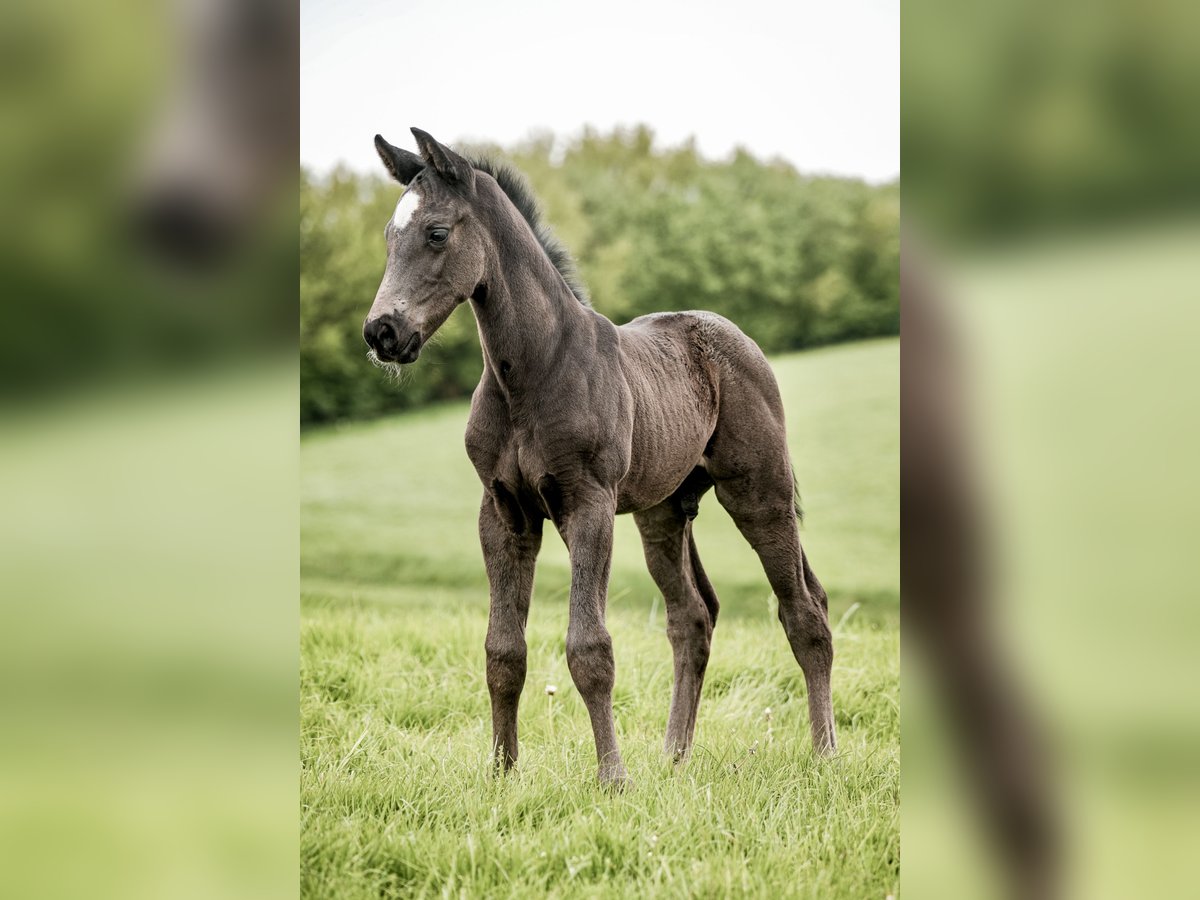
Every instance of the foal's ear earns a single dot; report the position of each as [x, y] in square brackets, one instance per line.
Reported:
[444, 161]
[403, 164]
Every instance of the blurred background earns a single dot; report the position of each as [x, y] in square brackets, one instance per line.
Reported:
[1051, 264]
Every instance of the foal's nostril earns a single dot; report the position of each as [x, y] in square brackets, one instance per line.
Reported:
[380, 335]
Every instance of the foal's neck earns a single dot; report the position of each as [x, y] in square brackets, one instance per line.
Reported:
[529, 315]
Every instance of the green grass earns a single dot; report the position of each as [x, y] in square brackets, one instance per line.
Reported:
[397, 799]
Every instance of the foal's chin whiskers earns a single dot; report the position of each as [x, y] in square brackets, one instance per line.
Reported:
[396, 373]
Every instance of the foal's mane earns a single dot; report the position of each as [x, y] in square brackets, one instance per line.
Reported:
[517, 189]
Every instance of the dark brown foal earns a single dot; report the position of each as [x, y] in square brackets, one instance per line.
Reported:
[577, 421]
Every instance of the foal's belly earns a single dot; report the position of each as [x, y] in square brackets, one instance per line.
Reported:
[645, 493]
[659, 463]
[675, 413]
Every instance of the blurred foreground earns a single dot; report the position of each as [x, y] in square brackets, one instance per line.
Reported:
[147, 449]
[148, 642]
[1052, 232]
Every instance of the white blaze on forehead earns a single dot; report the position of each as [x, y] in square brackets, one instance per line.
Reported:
[405, 208]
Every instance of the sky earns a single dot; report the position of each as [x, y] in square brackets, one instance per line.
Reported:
[816, 82]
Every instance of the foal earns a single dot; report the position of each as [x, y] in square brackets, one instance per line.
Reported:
[576, 420]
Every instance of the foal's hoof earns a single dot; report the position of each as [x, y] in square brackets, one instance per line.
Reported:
[825, 742]
[678, 755]
[824, 749]
[615, 778]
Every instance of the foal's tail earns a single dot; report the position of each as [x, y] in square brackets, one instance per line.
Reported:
[796, 495]
[810, 577]
[707, 594]
[812, 583]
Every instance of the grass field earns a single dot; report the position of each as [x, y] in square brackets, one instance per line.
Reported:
[396, 795]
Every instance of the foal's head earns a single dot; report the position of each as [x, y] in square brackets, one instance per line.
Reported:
[436, 249]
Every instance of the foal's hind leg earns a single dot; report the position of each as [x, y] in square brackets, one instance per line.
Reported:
[691, 612]
[760, 501]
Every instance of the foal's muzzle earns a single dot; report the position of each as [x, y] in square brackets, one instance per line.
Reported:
[391, 341]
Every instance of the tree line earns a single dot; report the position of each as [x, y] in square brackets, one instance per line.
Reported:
[795, 260]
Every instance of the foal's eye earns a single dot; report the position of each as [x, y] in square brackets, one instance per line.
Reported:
[438, 236]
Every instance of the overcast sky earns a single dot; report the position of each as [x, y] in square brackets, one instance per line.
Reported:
[816, 82]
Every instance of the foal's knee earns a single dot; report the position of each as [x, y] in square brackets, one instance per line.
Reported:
[590, 661]
[505, 668]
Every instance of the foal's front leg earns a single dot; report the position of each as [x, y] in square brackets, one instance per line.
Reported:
[510, 547]
[589, 534]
